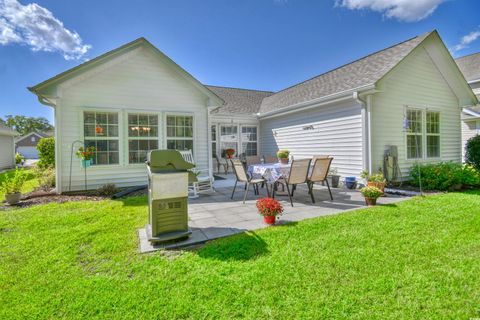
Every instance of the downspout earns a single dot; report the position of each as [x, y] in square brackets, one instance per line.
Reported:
[369, 129]
[365, 131]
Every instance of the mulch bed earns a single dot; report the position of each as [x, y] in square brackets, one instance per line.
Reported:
[43, 197]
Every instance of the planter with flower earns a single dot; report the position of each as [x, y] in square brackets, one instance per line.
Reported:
[269, 208]
[374, 180]
[371, 195]
[86, 154]
[282, 156]
[12, 186]
[230, 153]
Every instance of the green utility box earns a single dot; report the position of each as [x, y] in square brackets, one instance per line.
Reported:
[168, 179]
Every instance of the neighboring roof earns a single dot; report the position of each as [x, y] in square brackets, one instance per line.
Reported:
[363, 72]
[4, 130]
[113, 53]
[239, 101]
[38, 134]
[470, 66]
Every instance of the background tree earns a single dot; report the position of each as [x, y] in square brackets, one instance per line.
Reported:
[24, 124]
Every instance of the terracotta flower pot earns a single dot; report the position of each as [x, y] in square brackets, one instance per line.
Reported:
[13, 198]
[283, 160]
[379, 185]
[370, 201]
[269, 219]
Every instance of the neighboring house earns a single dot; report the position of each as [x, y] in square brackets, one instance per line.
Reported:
[134, 99]
[470, 67]
[27, 145]
[7, 147]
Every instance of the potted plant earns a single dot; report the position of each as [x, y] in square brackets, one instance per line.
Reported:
[371, 195]
[334, 177]
[269, 208]
[86, 154]
[12, 186]
[374, 180]
[351, 182]
[282, 156]
[230, 152]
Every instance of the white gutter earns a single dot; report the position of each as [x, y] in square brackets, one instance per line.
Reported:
[332, 98]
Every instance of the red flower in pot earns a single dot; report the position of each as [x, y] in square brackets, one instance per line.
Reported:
[269, 208]
[230, 152]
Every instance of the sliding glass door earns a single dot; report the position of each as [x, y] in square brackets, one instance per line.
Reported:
[228, 139]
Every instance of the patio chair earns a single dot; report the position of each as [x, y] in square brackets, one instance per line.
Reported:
[253, 160]
[221, 162]
[204, 179]
[270, 159]
[298, 175]
[242, 176]
[319, 173]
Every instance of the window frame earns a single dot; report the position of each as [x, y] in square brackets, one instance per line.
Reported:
[241, 136]
[128, 138]
[423, 156]
[118, 138]
[165, 129]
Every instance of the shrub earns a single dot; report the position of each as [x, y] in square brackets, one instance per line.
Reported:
[46, 179]
[376, 177]
[444, 176]
[283, 154]
[19, 158]
[107, 190]
[472, 152]
[371, 192]
[46, 151]
[13, 182]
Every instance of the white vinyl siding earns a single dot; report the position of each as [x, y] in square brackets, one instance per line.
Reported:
[137, 82]
[470, 128]
[416, 83]
[7, 156]
[334, 130]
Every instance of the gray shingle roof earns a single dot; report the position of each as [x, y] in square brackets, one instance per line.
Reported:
[470, 66]
[239, 101]
[362, 72]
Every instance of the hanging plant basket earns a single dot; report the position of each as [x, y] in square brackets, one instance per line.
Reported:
[86, 163]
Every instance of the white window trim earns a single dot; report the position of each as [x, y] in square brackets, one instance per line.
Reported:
[127, 137]
[241, 134]
[423, 157]
[194, 129]
[121, 150]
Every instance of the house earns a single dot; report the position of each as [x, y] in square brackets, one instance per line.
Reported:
[135, 98]
[7, 146]
[470, 67]
[26, 145]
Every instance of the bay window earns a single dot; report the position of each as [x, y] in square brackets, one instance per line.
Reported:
[100, 130]
[180, 132]
[142, 136]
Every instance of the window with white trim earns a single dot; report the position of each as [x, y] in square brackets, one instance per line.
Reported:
[180, 132]
[214, 140]
[422, 129]
[100, 130]
[433, 134]
[142, 136]
[249, 140]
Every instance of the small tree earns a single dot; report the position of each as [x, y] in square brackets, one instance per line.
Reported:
[46, 152]
[472, 152]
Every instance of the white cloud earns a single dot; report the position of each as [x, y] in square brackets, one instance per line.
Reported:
[36, 27]
[466, 40]
[403, 10]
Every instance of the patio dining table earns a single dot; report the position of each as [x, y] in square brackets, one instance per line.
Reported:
[271, 172]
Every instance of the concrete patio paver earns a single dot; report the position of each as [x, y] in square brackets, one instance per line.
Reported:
[215, 215]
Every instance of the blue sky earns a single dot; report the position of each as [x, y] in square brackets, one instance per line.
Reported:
[259, 44]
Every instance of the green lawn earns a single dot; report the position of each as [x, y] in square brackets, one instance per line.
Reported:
[30, 185]
[416, 259]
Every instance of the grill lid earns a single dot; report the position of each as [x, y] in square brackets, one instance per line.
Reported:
[167, 160]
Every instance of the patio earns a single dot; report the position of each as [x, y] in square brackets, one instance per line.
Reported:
[215, 215]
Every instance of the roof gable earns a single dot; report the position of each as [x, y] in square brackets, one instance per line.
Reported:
[46, 86]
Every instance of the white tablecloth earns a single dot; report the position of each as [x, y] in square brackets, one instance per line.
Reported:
[269, 171]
